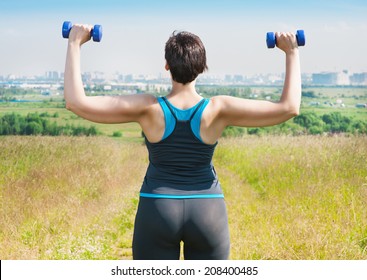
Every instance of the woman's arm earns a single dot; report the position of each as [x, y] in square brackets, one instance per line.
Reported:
[103, 109]
[251, 113]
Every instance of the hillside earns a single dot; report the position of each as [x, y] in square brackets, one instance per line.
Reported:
[288, 197]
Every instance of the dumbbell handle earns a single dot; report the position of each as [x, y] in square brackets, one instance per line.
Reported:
[271, 39]
[95, 33]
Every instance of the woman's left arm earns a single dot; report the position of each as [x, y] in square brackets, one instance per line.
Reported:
[257, 113]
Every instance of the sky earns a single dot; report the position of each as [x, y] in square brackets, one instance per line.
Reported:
[135, 32]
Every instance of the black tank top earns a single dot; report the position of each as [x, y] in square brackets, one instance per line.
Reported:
[180, 166]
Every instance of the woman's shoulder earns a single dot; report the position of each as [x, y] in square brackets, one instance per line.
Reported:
[147, 99]
[146, 102]
[216, 102]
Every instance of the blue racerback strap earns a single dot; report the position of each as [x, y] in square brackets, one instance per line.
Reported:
[173, 112]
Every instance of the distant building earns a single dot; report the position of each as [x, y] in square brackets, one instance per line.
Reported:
[359, 79]
[307, 78]
[87, 77]
[343, 78]
[128, 78]
[331, 78]
[238, 79]
[325, 78]
[52, 75]
[228, 78]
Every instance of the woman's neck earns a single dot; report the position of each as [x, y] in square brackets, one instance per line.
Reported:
[184, 96]
[178, 88]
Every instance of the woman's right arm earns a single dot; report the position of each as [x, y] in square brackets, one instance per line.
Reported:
[102, 109]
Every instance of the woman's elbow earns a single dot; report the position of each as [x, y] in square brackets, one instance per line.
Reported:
[293, 111]
[73, 106]
[290, 110]
[70, 106]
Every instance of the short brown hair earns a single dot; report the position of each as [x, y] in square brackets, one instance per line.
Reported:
[186, 56]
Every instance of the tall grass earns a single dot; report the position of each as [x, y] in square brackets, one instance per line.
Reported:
[287, 197]
[68, 198]
[296, 197]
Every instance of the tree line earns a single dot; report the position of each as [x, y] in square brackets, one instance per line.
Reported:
[39, 124]
[307, 123]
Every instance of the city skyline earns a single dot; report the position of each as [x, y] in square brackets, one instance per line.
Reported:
[135, 33]
[342, 78]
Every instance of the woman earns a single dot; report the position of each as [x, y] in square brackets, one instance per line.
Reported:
[181, 198]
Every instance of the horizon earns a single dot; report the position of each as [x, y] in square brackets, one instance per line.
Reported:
[159, 75]
[134, 34]
[52, 78]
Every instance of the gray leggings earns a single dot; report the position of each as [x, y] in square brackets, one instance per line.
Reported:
[161, 224]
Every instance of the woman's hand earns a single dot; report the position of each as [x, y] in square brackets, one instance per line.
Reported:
[286, 41]
[80, 33]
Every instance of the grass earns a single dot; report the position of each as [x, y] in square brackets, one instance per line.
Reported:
[287, 197]
[296, 197]
[67, 198]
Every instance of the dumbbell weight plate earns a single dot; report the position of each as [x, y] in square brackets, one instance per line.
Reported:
[301, 39]
[66, 27]
[96, 33]
[270, 40]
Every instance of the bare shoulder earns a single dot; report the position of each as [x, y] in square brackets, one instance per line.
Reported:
[218, 104]
[218, 109]
[221, 101]
[150, 111]
[150, 102]
[142, 104]
[144, 100]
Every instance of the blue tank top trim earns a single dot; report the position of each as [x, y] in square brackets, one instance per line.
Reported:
[183, 115]
[171, 196]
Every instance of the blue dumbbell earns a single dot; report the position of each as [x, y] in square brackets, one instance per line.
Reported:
[95, 33]
[271, 40]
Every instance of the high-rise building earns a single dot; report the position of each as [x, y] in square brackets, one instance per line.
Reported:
[331, 78]
[359, 79]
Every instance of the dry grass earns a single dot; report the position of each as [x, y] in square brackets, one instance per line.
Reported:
[287, 197]
[296, 197]
[66, 198]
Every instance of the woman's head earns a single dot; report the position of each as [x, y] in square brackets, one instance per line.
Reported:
[186, 57]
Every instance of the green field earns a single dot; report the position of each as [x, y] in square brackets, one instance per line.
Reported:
[130, 132]
[342, 100]
[287, 197]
